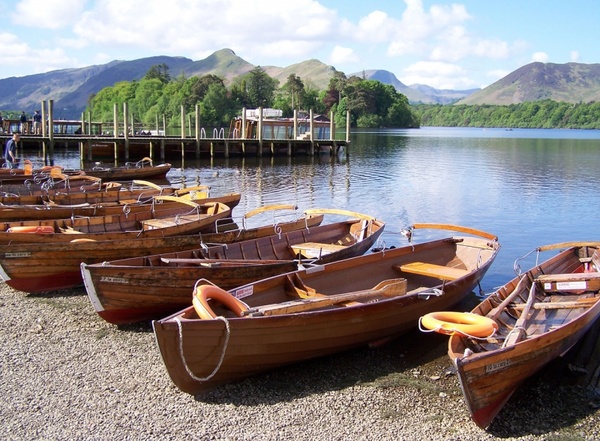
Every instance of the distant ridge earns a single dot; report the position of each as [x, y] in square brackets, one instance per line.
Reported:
[71, 88]
[416, 93]
[570, 82]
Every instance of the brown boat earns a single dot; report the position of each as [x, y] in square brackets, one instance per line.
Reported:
[84, 190]
[184, 217]
[142, 169]
[52, 210]
[318, 311]
[142, 288]
[537, 317]
[34, 267]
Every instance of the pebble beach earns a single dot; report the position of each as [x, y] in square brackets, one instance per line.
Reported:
[68, 375]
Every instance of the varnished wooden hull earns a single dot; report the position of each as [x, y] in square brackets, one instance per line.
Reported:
[130, 290]
[38, 267]
[489, 373]
[10, 213]
[154, 221]
[202, 354]
[77, 193]
[126, 173]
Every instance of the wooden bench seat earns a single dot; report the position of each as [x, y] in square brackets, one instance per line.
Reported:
[431, 270]
[316, 249]
[570, 281]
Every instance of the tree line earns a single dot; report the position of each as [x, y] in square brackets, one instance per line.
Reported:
[157, 95]
[545, 114]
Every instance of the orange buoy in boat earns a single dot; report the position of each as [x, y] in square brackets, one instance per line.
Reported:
[205, 292]
[466, 323]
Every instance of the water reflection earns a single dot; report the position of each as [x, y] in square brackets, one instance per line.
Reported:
[530, 187]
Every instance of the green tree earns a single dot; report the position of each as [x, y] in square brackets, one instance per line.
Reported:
[159, 72]
[260, 88]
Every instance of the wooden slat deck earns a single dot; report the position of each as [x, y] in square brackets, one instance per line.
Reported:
[432, 270]
[316, 249]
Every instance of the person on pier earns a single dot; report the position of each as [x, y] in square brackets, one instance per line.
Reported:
[10, 151]
[37, 123]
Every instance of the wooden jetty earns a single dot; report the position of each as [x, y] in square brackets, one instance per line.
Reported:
[255, 133]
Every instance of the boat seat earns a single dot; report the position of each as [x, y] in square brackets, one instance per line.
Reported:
[569, 282]
[153, 224]
[431, 270]
[316, 249]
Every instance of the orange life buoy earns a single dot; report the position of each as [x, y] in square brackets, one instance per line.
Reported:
[466, 323]
[37, 229]
[205, 292]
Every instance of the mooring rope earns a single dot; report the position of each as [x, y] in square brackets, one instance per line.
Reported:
[218, 366]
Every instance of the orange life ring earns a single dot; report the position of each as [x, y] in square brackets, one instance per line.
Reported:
[466, 323]
[37, 229]
[205, 292]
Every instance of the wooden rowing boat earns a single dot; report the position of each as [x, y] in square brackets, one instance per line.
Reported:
[38, 267]
[156, 219]
[65, 191]
[142, 169]
[540, 314]
[320, 310]
[142, 288]
[52, 210]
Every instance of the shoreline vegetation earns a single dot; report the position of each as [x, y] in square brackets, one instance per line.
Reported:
[545, 114]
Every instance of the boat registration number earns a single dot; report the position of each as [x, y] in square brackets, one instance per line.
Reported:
[113, 280]
[243, 292]
[17, 255]
[567, 286]
[497, 366]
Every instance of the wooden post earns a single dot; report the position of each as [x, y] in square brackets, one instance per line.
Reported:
[83, 133]
[182, 132]
[295, 134]
[116, 129]
[125, 131]
[242, 134]
[260, 131]
[347, 133]
[347, 126]
[44, 130]
[197, 122]
[312, 128]
[331, 126]
[51, 128]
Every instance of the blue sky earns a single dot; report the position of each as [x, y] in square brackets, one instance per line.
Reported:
[446, 45]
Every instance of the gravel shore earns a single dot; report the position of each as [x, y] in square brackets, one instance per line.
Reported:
[68, 375]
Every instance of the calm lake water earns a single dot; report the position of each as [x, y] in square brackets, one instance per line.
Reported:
[529, 187]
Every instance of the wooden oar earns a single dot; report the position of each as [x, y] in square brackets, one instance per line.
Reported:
[581, 303]
[518, 332]
[201, 261]
[387, 288]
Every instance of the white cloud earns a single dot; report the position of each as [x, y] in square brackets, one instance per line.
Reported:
[17, 53]
[341, 55]
[46, 14]
[252, 29]
[540, 56]
[439, 75]
[574, 56]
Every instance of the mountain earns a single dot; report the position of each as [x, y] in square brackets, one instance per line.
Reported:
[416, 93]
[570, 82]
[441, 96]
[71, 88]
[314, 73]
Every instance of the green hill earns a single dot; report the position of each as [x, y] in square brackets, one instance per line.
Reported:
[570, 82]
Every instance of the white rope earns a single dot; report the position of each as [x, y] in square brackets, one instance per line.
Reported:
[218, 366]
